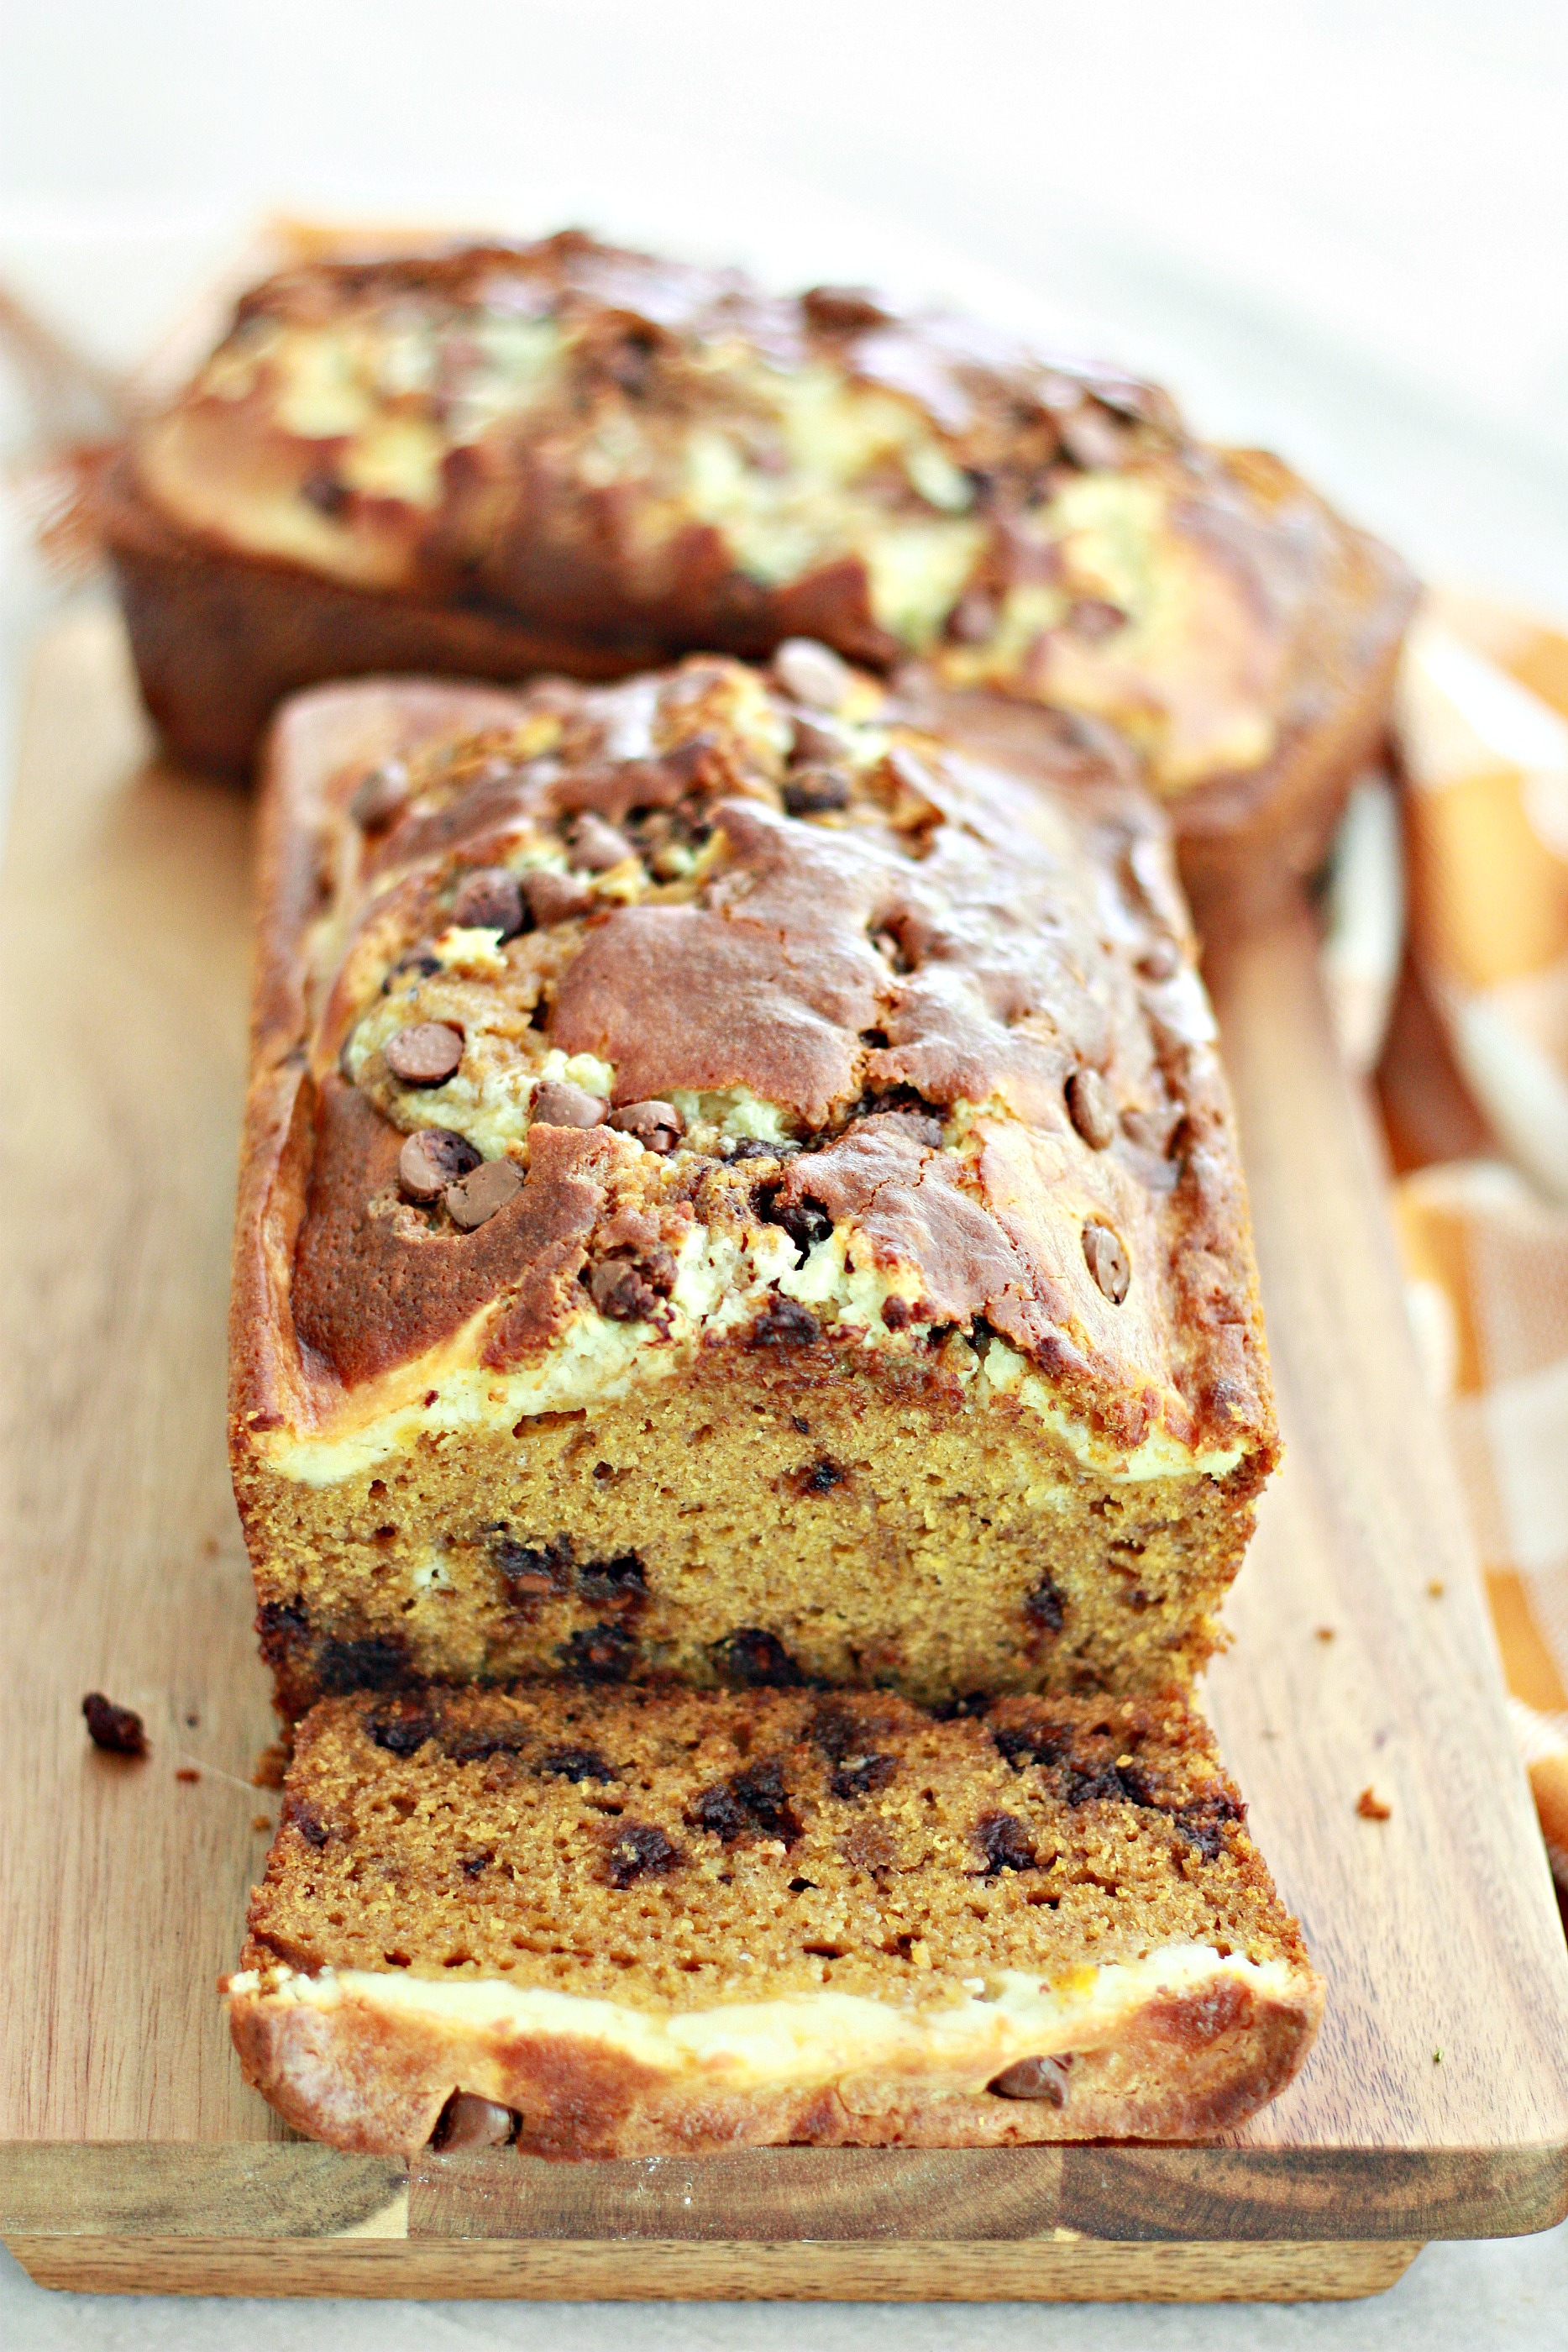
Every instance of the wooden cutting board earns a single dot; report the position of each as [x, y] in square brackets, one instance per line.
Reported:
[132, 2156]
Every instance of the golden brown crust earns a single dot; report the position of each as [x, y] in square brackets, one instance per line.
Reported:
[1249, 656]
[1188, 2068]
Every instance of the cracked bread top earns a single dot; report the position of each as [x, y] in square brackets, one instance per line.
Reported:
[599, 1030]
[653, 457]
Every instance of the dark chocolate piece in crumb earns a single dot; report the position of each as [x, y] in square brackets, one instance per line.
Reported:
[118, 1730]
[1006, 1843]
[555, 897]
[785, 1323]
[474, 1201]
[599, 1654]
[432, 1159]
[1046, 1606]
[426, 1053]
[750, 1659]
[639, 1849]
[862, 1776]
[633, 1289]
[575, 1764]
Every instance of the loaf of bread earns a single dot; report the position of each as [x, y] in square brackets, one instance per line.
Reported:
[733, 1190]
[495, 460]
[636, 1923]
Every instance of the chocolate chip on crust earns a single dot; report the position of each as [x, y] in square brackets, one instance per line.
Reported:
[556, 1104]
[555, 897]
[529, 1570]
[657, 1126]
[381, 795]
[473, 1201]
[1108, 1261]
[1090, 1107]
[639, 1849]
[749, 1659]
[468, 2121]
[301, 1814]
[1006, 1843]
[842, 309]
[432, 1159]
[489, 899]
[811, 674]
[1034, 2078]
[425, 1054]
[595, 847]
[813, 791]
[118, 1730]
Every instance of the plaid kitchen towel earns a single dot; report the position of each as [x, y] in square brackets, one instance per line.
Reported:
[1474, 1086]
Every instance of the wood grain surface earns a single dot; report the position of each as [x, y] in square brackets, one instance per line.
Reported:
[131, 2153]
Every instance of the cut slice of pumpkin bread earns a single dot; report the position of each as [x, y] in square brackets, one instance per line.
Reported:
[617, 1924]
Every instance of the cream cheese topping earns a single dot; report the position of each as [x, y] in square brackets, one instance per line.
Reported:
[966, 2034]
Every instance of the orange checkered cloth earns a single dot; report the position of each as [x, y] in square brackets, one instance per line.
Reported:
[1473, 1082]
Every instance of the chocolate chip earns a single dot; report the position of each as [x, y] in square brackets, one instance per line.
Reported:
[1108, 1261]
[556, 1104]
[1046, 1605]
[468, 2121]
[657, 1126]
[372, 1662]
[640, 1849]
[811, 673]
[1092, 618]
[633, 1289]
[599, 1654]
[812, 792]
[574, 1764]
[785, 1323]
[1006, 1843]
[897, 1314]
[859, 1776]
[1034, 2078]
[816, 741]
[1021, 1748]
[476, 1198]
[1090, 1107]
[1204, 1821]
[418, 961]
[1113, 1784]
[119, 1731]
[822, 1477]
[425, 1054]
[806, 1222]
[401, 1727]
[472, 1864]
[301, 1814]
[480, 1741]
[973, 618]
[380, 796]
[749, 1659]
[489, 899]
[842, 309]
[432, 1159]
[282, 1628]
[756, 1800]
[1093, 439]
[554, 898]
[595, 847]
[530, 1571]
[325, 491]
[620, 1580]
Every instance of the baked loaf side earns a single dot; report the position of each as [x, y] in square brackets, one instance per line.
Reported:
[637, 1923]
[564, 454]
[733, 1190]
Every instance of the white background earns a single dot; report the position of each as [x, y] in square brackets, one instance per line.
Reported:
[1340, 229]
